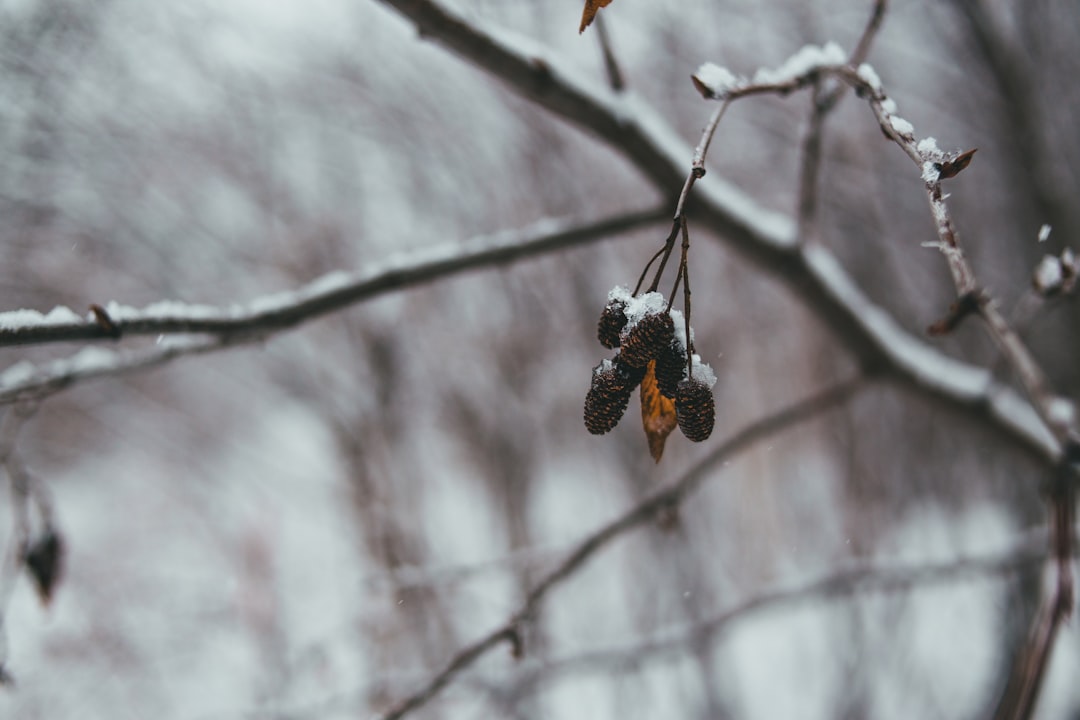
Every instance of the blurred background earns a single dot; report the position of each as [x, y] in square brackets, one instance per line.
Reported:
[311, 527]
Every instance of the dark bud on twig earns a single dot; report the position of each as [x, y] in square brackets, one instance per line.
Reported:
[968, 304]
[953, 166]
[517, 644]
[44, 561]
[608, 397]
[670, 369]
[6, 678]
[667, 517]
[1056, 274]
[612, 322]
[648, 339]
[695, 409]
[101, 317]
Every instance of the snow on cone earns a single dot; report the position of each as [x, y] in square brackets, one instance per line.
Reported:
[612, 322]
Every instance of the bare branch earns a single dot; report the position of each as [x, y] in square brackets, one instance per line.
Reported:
[861, 579]
[660, 501]
[325, 295]
[26, 382]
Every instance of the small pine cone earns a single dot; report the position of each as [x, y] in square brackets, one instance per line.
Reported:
[647, 340]
[670, 369]
[695, 409]
[607, 398]
[612, 322]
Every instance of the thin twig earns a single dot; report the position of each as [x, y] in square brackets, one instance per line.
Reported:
[697, 165]
[810, 167]
[611, 64]
[642, 513]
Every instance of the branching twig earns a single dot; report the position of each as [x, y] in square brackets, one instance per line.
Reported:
[643, 512]
[765, 239]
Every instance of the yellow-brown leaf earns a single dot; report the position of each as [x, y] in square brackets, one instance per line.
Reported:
[657, 413]
[591, 8]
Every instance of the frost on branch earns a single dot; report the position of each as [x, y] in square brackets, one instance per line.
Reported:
[1056, 274]
[715, 82]
[18, 319]
[805, 61]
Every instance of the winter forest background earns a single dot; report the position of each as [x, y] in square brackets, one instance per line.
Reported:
[314, 524]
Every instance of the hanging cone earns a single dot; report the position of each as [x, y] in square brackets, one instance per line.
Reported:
[695, 409]
[612, 322]
[607, 398]
[670, 369]
[648, 339]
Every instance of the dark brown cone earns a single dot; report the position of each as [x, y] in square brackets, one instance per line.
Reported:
[612, 322]
[670, 369]
[695, 409]
[607, 398]
[647, 340]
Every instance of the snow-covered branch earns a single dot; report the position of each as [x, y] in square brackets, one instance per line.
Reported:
[330, 293]
[766, 239]
[1057, 414]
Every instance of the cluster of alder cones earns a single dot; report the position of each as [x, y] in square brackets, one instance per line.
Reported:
[655, 346]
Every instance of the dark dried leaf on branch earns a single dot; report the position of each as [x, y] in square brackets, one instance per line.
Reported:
[591, 8]
[966, 305]
[953, 167]
[44, 561]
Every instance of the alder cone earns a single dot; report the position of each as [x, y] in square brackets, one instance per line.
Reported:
[647, 340]
[670, 368]
[612, 322]
[695, 409]
[607, 398]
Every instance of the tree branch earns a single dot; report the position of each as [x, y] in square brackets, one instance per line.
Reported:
[765, 239]
[325, 295]
[660, 501]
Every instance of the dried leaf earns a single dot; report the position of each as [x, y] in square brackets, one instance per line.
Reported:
[104, 321]
[657, 413]
[952, 168]
[591, 8]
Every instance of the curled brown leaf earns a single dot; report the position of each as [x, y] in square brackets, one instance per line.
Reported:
[591, 8]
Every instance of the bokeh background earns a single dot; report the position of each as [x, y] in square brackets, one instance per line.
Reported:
[310, 527]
